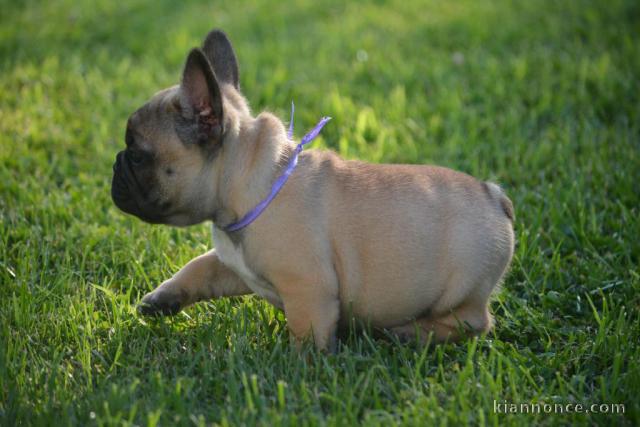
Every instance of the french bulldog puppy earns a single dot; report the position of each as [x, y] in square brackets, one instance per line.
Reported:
[413, 249]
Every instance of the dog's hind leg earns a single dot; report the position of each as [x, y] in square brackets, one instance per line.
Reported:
[462, 322]
[463, 310]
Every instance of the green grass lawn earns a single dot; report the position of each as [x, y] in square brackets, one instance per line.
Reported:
[540, 96]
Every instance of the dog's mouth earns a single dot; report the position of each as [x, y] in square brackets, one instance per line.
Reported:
[129, 196]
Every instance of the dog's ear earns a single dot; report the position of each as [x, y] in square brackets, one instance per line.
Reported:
[220, 53]
[200, 100]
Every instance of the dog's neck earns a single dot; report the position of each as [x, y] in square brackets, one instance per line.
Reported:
[255, 151]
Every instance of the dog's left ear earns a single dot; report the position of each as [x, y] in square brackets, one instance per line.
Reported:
[220, 53]
[200, 100]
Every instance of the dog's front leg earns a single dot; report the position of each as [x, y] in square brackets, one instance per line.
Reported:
[203, 278]
[312, 312]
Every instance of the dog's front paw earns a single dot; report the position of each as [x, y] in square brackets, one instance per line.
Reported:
[159, 304]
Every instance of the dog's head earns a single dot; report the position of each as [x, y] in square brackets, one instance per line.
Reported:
[165, 173]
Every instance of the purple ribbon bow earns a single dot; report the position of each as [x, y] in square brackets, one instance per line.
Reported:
[254, 213]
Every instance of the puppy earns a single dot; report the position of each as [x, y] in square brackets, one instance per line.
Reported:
[413, 249]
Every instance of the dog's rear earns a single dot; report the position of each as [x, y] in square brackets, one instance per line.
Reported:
[414, 244]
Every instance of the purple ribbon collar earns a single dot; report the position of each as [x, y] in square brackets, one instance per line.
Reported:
[254, 213]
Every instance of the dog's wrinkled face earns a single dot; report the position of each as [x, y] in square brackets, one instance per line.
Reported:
[173, 140]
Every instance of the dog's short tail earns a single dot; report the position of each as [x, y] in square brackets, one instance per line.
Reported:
[495, 193]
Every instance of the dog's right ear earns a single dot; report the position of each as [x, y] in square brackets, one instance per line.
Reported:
[200, 100]
[220, 53]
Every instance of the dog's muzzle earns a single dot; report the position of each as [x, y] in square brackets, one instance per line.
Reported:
[127, 193]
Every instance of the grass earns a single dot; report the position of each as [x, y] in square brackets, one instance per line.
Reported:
[541, 96]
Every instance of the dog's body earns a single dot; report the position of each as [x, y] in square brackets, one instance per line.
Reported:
[397, 246]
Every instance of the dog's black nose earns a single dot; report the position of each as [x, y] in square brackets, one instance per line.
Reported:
[119, 189]
[116, 164]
